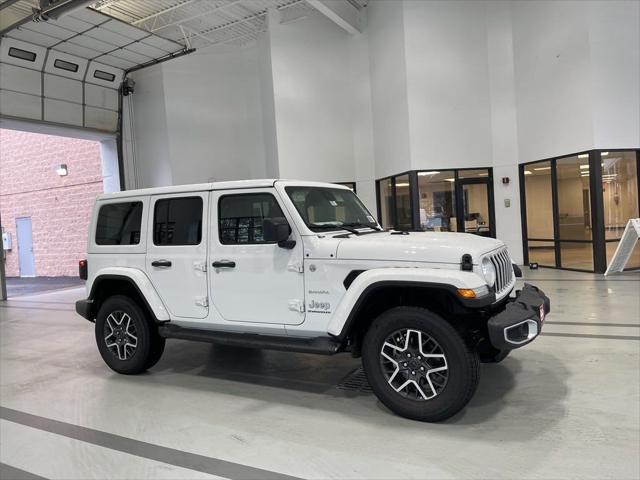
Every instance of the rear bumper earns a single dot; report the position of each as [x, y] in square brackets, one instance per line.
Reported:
[83, 308]
[521, 320]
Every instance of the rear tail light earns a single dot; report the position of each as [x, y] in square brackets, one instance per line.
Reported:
[82, 269]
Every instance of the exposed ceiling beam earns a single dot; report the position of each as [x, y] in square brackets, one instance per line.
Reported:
[162, 12]
[340, 12]
[193, 17]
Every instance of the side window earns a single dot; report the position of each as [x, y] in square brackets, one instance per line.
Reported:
[119, 224]
[178, 221]
[240, 217]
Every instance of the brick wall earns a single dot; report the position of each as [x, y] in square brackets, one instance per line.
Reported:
[59, 207]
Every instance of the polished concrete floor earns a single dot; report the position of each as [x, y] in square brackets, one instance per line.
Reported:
[566, 406]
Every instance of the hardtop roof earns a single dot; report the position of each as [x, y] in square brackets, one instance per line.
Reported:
[200, 187]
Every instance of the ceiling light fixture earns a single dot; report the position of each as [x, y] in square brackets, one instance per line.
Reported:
[542, 168]
[583, 155]
[450, 179]
[422, 174]
[528, 172]
[605, 153]
[584, 167]
[402, 184]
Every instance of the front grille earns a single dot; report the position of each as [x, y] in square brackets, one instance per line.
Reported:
[504, 270]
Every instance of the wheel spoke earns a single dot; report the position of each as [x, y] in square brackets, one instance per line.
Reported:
[408, 358]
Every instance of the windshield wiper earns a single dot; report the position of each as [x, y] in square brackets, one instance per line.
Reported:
[336, 226]
[363, 225]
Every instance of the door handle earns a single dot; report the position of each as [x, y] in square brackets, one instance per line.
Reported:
[161, 263]
[224, 264]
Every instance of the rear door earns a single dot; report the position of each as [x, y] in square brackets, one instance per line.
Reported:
[177, 252]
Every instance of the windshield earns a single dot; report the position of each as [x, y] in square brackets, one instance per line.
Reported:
[324, 208]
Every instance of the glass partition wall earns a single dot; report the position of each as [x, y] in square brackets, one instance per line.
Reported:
[441, 201]
[575, 208]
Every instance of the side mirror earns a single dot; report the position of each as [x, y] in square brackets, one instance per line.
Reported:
[277, 230]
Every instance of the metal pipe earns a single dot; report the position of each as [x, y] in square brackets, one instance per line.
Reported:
[169, 56]
[3, 277]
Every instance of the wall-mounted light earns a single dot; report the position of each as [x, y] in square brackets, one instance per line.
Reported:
[62, 170]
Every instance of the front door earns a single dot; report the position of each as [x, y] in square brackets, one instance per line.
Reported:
[474, 198]
[177, 252]
[25, 247]
[253, 280]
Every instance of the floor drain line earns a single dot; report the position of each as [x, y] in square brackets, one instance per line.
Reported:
[356, 381]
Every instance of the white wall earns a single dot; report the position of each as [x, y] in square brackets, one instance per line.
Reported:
[146, 137]
[448, 84]
[614, 44]
[389, 101]
[313, 99]
[199, 118]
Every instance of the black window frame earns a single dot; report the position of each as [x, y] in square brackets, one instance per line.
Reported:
[415, 195]
[219, 226]
[104, 76]
[598, 239]
[170, 199]
[30, 57]
[66, 65]
[134, 204]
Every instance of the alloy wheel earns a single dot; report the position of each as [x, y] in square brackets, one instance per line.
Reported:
[120, 335]
[414, 364]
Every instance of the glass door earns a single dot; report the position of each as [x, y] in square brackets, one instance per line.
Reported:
[475, 206]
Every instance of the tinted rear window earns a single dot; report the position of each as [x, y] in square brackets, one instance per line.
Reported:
[119, 224]
[178, 221]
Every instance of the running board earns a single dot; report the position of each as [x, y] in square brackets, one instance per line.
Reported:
[317, 345]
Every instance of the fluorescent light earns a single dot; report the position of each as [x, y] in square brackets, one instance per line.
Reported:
[402, 184]
[605, 153]
[483, 174]
[584, 155]
[528, 172]
[584, 167]
[542, 168]
[583, 174]
[450, 179]
[422, 174]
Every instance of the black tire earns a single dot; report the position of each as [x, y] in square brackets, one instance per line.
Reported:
[116, 348]
[461, 362]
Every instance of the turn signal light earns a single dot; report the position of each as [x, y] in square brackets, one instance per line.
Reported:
[466, 293]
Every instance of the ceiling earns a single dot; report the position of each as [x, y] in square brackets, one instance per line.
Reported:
[129, 33]
[91, 35]
[201, 23]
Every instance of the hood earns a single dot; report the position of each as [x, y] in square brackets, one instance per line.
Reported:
[435, 247]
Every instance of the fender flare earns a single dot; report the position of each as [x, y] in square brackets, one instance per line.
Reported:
[138, 280]
[371, 280]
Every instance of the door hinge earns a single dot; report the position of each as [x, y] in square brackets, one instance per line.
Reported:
[295, 267]
[296, 305]
[202, 301]
[202, 266]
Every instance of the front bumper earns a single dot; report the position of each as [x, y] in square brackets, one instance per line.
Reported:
[521, 320]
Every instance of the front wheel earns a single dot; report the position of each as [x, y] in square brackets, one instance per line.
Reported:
[127, 341]
[418, 365]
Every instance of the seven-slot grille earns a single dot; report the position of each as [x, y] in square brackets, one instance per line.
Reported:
[504, 269]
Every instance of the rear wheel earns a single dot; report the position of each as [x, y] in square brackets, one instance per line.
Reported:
[127, 341]
[418, 365]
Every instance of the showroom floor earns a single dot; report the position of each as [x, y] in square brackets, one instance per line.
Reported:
[566, 406]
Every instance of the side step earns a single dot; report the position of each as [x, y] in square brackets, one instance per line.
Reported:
[317, 345]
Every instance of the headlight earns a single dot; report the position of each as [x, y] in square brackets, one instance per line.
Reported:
[489, 271]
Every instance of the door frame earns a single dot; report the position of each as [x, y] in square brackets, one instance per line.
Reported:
[459, 188]
[33, 259]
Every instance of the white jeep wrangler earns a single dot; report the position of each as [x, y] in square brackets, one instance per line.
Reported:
[303, 266]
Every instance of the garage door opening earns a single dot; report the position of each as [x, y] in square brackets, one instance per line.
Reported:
[48, 184]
